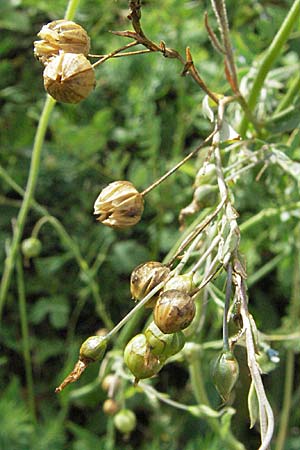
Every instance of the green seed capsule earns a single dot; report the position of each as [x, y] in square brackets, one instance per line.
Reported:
[164, 345]
[146, 277]
[125, 421]
[225, 374]
[31, 247]
[174, 311]
[139, 359]
[93, 348]
[183, 283]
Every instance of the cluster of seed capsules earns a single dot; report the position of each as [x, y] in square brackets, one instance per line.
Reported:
[69, 76]
[173, 311]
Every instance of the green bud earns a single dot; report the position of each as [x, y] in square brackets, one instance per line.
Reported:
[93, 348]
[139, 359]
[183, 283]
[225, 374]
[31, 247]
[164, 345]
[125, 421]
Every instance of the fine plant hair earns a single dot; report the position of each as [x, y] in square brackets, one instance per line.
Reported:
[208, 251]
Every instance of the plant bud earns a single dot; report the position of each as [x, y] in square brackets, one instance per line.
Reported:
[60, 35]
[125, 421]
[183, 283]
[174, 311]
[139, 359]
[69, 78]
[164, 345]
[119, 205]
[225, 374]
[144, 278]
[93, 348]
[31, 247]
[110, 407]
[110, 381]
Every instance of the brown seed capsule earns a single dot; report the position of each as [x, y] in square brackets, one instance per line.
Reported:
[144, 278]
[119, 205]
[174, 311]
[60, 35]
[110, 407]
[69, 78]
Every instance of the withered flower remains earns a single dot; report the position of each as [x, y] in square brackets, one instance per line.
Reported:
[119, 205]
[61, 35]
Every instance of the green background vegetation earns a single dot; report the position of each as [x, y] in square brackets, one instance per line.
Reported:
[140, 120]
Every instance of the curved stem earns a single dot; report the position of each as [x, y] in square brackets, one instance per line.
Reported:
[269, 59]
[31, 183]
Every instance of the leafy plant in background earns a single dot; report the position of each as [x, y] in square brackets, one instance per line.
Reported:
[208, 252]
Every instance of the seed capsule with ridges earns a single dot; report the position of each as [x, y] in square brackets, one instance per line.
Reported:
[60, 35]
[174, 311]
[146, 277]
[183, 283]
[225, 374]
[164, 345]
[119, 205]
[139, 359]
[69, 78]
[93, 348]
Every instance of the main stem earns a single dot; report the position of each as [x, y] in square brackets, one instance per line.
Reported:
[31, 183]
[269, 59]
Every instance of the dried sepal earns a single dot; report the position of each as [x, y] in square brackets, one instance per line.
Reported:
[69, 78]
[119, 205]
[146, 277]
[60, 35]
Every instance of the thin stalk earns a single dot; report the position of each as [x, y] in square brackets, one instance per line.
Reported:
[287, 396]
[266, 214]
[287, 100]
[115, 52]
[31, 183]
[177, 166]
[25, 340]
[265, 269]
[270, 56]
[226, 308]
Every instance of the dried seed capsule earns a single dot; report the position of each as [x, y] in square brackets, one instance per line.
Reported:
[125, 421]
[174, 311]
[110, 407]
[139, 359]
[144, 278]
[119, 205]
[225, 374]
[60, 35]
[164, 345]
[183, 283]
[31, 247]
[69, 78]
[93, 348]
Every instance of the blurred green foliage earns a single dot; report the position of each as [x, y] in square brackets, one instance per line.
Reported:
[140, 120]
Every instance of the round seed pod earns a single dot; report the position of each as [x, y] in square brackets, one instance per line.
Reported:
[164, 345]
[125, 421]
[225, 374]
[174, 311]
[60, 35]
[144, 278]
[119, 205]
[93, 348]
[111, 381]
[183, 283]
[110, 407]
[69, 78]
[31, 247]
[139, 359]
